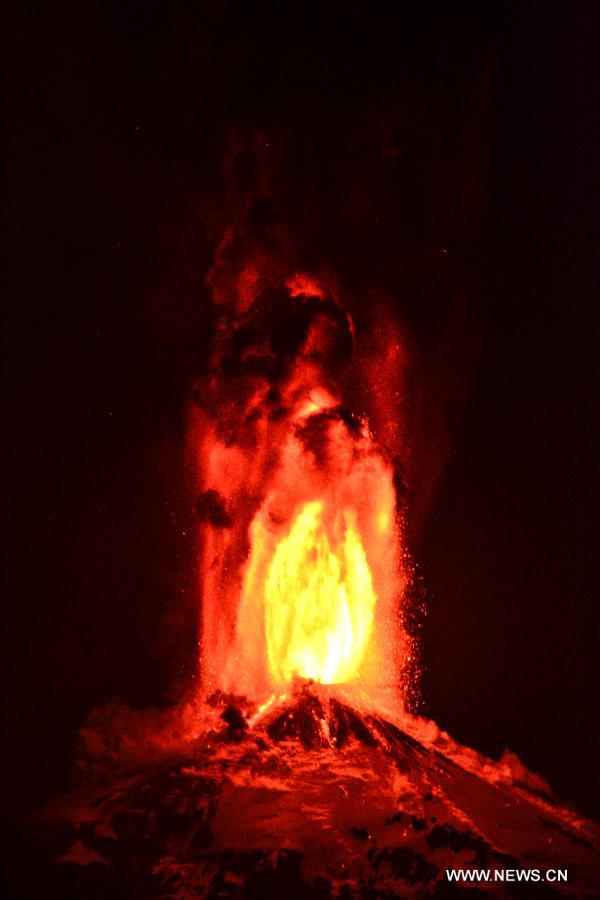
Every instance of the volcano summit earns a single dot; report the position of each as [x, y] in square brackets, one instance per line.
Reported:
[311, 797]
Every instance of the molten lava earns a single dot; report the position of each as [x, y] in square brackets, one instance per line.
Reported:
[319, 600]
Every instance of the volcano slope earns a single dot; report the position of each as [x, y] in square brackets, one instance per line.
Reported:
[310, 797]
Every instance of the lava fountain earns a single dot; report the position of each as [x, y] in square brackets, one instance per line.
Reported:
[297, 770]
[301, 543]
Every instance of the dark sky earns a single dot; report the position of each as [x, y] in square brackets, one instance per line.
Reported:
[119, 118]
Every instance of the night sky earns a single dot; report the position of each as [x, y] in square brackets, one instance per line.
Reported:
[406, 134]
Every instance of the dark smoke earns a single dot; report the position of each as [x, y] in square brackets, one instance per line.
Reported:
[211, 508]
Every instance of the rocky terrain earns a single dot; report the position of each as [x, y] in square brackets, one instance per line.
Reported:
[310, 797]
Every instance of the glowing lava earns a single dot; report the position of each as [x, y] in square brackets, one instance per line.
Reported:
[319, 600]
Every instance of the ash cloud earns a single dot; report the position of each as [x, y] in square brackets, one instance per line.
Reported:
[316, 433]
[211, 508]
[267, 340]
[383, 209]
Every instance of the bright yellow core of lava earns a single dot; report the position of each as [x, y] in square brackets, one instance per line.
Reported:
[319, 601]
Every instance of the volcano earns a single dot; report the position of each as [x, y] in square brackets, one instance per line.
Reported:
[314, 795]
[298, 769]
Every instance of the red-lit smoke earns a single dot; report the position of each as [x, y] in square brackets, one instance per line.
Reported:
[302, 567]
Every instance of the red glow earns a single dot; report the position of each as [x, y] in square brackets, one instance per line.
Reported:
[302, 572]
[304, 284]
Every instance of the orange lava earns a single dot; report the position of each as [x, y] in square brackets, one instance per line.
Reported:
[319, 599]
[302, 570]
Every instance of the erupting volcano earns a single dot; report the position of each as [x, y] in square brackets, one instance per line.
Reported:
[301, 388]
[297, 769]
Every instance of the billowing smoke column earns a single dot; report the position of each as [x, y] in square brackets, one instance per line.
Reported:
[300, 546]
